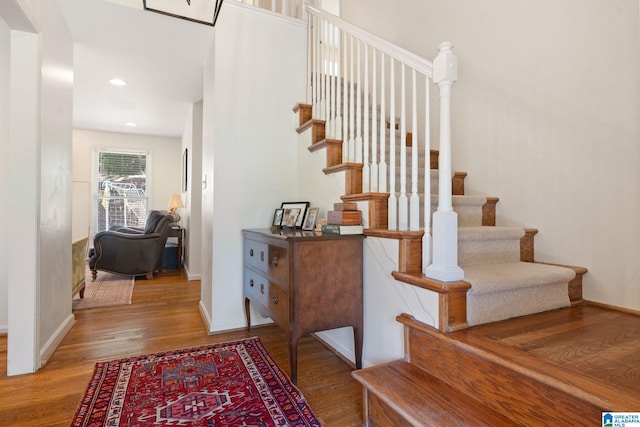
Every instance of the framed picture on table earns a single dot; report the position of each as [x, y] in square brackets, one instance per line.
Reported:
[290, 217]
[310, 219]
[302, 206]
[277, 218]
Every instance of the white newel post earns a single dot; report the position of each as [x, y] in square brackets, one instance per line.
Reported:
[445, 221]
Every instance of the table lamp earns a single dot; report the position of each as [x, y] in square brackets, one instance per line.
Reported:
[175, 202]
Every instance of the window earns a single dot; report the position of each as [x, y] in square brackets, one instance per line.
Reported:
[121, 192]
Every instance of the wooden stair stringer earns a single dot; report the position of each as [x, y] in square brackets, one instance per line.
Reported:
[333, 149]
[353, 176]
[527, 250]
[304, 112]
[378, 207]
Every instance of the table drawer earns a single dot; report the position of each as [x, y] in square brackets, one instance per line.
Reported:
[256, 254]
[256, 287]
[270, 259]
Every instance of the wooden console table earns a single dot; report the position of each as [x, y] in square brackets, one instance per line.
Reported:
[177, 231]
[305, 282]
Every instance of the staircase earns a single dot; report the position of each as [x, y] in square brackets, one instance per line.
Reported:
[501, 279]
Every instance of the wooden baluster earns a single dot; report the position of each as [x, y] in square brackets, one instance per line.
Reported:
[309, 98]
[315, 105]
[403, 202]
[326, 66]
[332, 80]
[352, 106]
[345, 103]
[338, 92]
[426, 237]
[382, 170]
[374, 134]
[365, 137]
[392, 206]
[321, 71]
[414, 201]
[358, 140]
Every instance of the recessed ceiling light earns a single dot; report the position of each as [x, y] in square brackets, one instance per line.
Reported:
[118, 82]
[130, 124]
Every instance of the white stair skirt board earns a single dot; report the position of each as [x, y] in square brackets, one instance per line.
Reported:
[502, 291]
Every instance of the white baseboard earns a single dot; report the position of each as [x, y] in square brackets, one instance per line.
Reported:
[192, 276]
[332, 339]
[4, 329]
[205, 316]
[52, 343]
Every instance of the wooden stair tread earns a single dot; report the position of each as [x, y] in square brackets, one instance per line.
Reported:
[422, 399]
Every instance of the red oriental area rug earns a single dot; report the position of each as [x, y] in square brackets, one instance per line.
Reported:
[228, 384]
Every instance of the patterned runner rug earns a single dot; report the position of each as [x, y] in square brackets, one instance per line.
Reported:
[108, 290]
[227, 384]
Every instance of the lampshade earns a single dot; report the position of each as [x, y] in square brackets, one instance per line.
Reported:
[175, 202]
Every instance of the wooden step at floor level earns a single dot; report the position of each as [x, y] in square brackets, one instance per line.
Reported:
[401, 394]
[528, 394]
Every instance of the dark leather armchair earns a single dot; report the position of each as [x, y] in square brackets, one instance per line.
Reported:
[132, 251]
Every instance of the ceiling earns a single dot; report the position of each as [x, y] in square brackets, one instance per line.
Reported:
[161, 58]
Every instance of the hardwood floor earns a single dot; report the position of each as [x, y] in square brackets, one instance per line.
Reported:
[163, 315]
[592, 347]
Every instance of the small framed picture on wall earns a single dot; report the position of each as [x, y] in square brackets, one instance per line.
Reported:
[185, 159]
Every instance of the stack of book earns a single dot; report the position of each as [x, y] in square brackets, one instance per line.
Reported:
[345, 218]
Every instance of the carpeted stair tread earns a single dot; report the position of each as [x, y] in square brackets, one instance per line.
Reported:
[510, 289]
[489, 278]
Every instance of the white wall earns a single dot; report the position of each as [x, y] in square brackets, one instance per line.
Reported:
[249, 148]
[163, 179]
[55, 175]
[192, 198]
[545, 116]
[38, 173]
[4, 167]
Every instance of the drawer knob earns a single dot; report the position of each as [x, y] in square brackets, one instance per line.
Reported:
[275, 300]
[250, 252]
[262, 288]
[251, 283]
[274, 261]
[261, 255]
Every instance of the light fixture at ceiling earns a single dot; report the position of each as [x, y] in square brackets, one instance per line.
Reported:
[200, 11]
[118, 82]
[130, 124]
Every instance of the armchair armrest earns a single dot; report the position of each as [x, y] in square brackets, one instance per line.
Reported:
[129, 230]
[126, 253]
